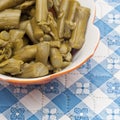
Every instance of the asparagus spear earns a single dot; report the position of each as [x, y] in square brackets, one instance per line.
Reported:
[55, 43]
[78, 35]
[50, 4]
[10, 18]
[47, 37]
[25, 4]
[11, 66]
[69, 23]
[53, 26]
[37, 31]
[29, 32]
[34, 70]
[26, 25]
[16, 34]
[2, 43]
[56, 58]
[41, 11]
[61, 19]
[4, 35]
[43, 52]
[18, 44]
[56, 5]
[5, 4]
[26, 53]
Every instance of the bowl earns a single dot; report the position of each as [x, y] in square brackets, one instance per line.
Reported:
[85, 53]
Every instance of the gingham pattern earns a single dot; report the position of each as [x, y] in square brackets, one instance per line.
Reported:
[91, 92]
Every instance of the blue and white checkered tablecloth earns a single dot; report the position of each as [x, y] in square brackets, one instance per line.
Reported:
[91, 92]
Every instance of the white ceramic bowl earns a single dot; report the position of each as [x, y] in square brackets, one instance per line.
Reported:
[87, 51]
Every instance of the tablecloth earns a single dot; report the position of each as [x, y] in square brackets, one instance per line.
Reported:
[91, 92]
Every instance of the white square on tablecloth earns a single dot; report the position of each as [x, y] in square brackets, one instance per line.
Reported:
[34, 101]
[65, 117]
[2, 117]
[117, 29]
[102, 52]
[102, 8]
[117, 75]
[97, 101]
[70, 78]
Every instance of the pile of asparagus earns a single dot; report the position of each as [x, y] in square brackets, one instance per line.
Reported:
[37, 37]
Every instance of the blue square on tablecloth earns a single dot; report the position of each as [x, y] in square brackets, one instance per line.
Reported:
[111, 88]
[97, 117]
[82, 88]
[86, 67]
[66, 101]
[52, 89]
[81, 112]
[112, 111]
[111, 63]
[98, 75]
[17, 112]
[33, 118]
[118, 51]
[6, 100]
[117, 101]
[112, 19]
[20, 91]
[48, 111]
[118, 8]
[104, 28]
[112, 40]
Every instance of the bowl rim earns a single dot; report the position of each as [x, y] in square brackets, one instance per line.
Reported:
[48, 78]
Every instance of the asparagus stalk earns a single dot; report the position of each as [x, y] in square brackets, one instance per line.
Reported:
[56, 5]
[53, 26]
[16, 34]
[78, 35]
[50, 4]
[56, 58]
[29, 32]
[43, 52]
[61, 19]
[26, 53]
[37, 31]
[12, 66]
[34, 70]
[10, 18]
[4, 35]
[5, 4]
[69, 23]
[41, 11]
[25, 4]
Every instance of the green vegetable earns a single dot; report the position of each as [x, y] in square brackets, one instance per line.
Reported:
[33, 70]
[56, 58]
[29, 32]
[41, 11]
[5, 4]
[78, 35]
[26, 53]
[37, 37]
[43, 52]
[16, 34]
[10, 18]
[11, 66]
[25, 4]
[70, 20]
[62, 16]
[37, 31]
